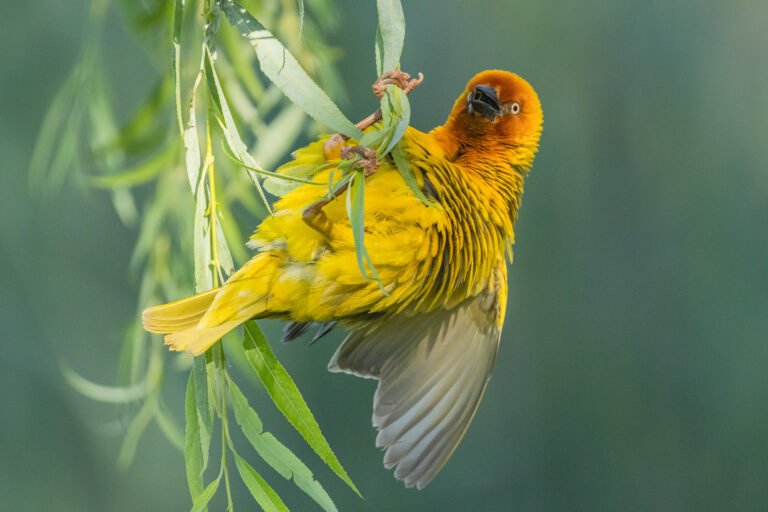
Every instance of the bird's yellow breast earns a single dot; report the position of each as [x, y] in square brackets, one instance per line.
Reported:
[427, 256]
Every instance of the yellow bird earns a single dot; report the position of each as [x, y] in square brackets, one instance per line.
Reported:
[431, 340]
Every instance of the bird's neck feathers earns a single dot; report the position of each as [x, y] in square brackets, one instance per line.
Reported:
[465, 142]
[496, 166]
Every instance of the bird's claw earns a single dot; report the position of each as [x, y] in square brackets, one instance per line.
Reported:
[313, 215]
[368, 161]
[396, 77]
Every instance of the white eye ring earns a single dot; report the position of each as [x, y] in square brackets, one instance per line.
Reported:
[515, 108]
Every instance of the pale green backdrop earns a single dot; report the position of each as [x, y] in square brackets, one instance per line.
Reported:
[632, 374]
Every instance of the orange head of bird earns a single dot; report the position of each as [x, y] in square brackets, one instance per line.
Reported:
[497, 107]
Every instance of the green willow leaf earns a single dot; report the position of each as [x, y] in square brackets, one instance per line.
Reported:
[231, 134]
[231, 231]
[261, 491]
[203, 407]
[189, 136]
[242, 65]
[301, 17]
[275, 453]
[401, 116]
[152, 225]
[168, 427]
[282, 68]
[125, 207]
[143, 130]
[374, 138]
[141, 173]
[100, 393]
[288, 399]
[246, 417]
[396, 106]
[379, 51]
[178, 19]
[135, 429]
[356, 214]
[202, 241]
[196, 176]
[392, 29]
[201, 503]
[193, 452]
[225, 255]
[404, 168]
[56, 124]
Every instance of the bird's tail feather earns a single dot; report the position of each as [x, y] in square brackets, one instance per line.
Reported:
[195, 323]
[184, 322]
[197, 340]
[178, 316]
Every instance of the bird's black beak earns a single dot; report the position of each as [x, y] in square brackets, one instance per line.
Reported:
[484, 101]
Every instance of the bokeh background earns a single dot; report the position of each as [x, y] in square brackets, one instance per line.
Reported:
[632, 374]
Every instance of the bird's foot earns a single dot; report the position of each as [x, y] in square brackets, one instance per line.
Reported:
[367, 158]
[395, 77]
[313, 215]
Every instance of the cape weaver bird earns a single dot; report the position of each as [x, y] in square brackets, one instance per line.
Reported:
[432, 339]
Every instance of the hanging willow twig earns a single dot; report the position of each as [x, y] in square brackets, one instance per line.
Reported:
[195, 176]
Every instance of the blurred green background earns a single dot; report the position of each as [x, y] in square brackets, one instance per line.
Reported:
[632, 374]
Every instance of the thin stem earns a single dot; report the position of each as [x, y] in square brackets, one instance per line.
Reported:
[224, 416]
[213, 210]
[274, 174]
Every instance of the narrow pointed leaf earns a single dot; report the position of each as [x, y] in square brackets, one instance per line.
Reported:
[59, 114]
[203, 408]
[178, 18]
[191, 138]
[275, 453]
[396, 112]
[135, 429]
[143, 130]
[202, 241]
[231, 134]
[225, 255]
[356, 214]
[150, 227]
[282, 68]
[101, 393]
[193, 452]
[379, 51]
[392, 27]
[301, 18]
[261, 491]
[201, 503]
[168, 427]
[139, 174]
[288, 399]
[404, 168]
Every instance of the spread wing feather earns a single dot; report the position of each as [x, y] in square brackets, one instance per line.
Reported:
[432, 370]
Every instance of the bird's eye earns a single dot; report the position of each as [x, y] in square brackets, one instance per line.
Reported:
[515, 108]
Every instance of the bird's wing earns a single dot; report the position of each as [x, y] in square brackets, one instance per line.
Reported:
[432, 371]
[320, 278]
